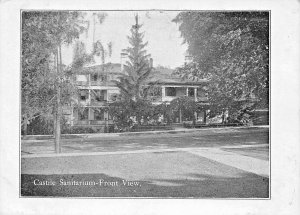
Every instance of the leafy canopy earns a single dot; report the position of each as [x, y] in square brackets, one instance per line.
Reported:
[42, 34]
[231, 50]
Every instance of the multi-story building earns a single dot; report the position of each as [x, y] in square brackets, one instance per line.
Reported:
[96, 91]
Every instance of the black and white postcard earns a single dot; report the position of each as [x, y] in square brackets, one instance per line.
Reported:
[159, 103]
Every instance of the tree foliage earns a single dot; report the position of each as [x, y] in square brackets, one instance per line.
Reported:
[127, 113]
[133, 107]
[43, 34]
[187, 106]
[231, 50]
[80, 57]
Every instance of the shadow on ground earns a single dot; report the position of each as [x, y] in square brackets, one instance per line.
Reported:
[247, 185]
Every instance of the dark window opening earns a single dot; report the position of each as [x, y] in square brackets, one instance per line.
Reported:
[99, 95]
[170, 91]
[100, 98]
[83, 114]
[98, 77]
[191, 92]
[103, 78]
[99, 114]
[83, 95]
[94, 77]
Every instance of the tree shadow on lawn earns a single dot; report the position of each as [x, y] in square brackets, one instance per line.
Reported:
[255, 152]
[246, 185]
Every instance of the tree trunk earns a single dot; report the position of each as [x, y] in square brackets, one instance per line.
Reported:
[25, 118]
[54, 105]
[54, 120]
[180, 116]
[25, 125]
[58, 103]
[57, 125]
[223, 117]
[194, 118]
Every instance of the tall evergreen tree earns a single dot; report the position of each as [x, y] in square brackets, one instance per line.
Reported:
[138, 67]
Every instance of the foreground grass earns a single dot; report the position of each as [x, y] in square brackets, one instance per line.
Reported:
[203, 186]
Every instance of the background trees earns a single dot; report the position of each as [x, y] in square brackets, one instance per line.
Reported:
[45, 86]
[231, 50]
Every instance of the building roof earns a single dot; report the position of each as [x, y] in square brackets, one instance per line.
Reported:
[162, 75]
[159, 75]
[111, 68]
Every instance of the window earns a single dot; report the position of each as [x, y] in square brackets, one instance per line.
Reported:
[98, 95]
[170, 91]
[94, 77]
[103, 78]
[102, 95]
[100, 98]
[83, 114]
[191, 92]
[81, 78]
[83, 95]
[201, 92]
[98, 77]
[98, 114]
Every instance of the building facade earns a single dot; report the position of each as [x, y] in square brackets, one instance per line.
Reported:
[172, 87]
[96, 91]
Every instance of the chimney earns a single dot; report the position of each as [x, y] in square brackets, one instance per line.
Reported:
[188, 59]
[123, 60]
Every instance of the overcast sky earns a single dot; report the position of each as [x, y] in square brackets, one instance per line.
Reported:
[165, 44]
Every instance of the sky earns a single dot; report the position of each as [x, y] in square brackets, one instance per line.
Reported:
[164, 40]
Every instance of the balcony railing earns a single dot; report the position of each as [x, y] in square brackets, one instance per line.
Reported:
[82, 122]
[82, 83]
[97, 122]
[93, 122]
[98, 83]
[95, 83]
[83, 102]
[96, 102]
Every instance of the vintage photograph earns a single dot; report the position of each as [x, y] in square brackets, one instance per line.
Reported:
[145, 104]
